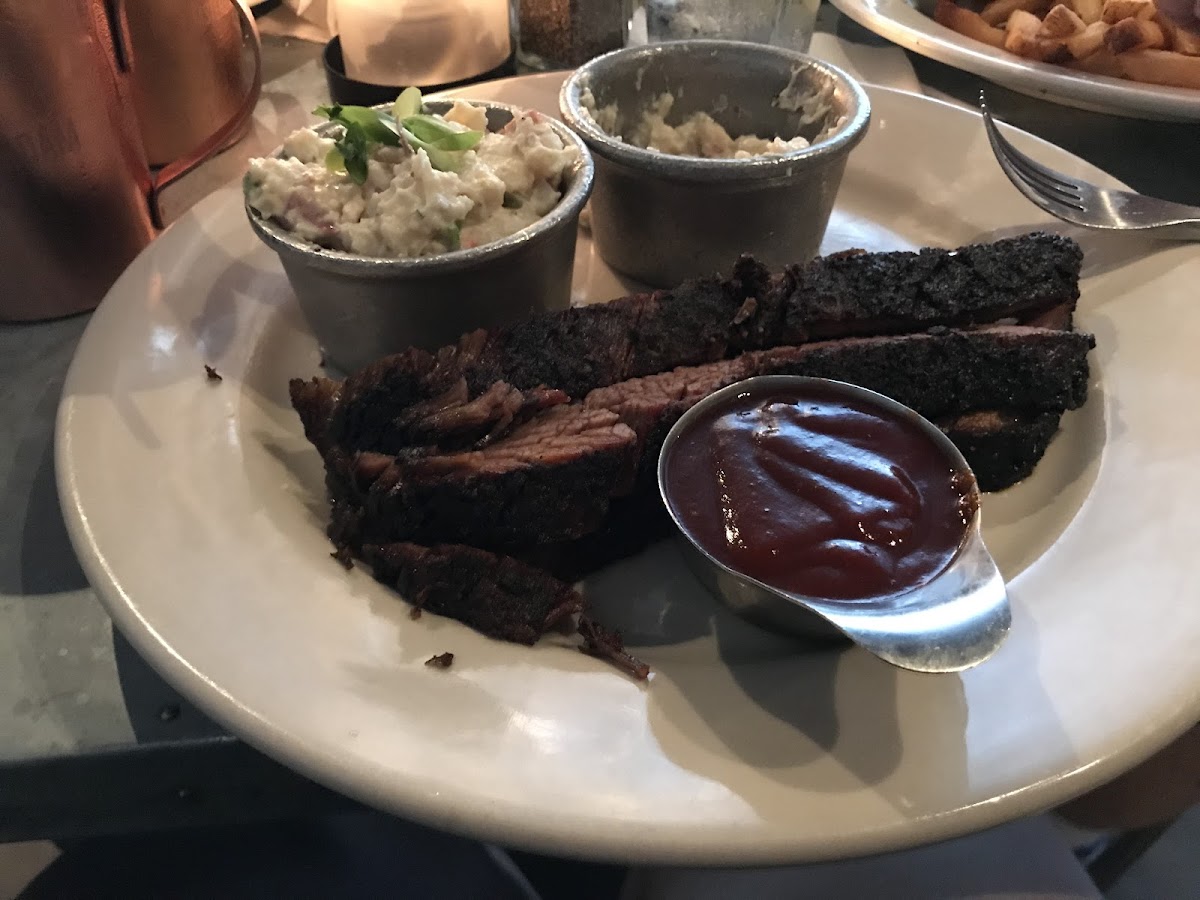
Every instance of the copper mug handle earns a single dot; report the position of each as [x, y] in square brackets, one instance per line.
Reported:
[216, 141]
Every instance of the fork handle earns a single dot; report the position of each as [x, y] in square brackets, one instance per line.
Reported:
[1188, 230]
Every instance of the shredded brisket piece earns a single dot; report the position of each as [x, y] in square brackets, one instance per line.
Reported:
[650, 405]
[344, 557]
[498, 595]
[604, 644]
[553, 475]
[314, 401]
[579, 350]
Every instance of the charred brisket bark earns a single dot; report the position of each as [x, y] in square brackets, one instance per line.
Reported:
[877, 293]
[579, 350]
[1001, 448]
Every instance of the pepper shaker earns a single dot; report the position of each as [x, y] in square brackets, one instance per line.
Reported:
[563, 34]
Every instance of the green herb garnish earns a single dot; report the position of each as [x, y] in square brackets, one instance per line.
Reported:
[452, 236]
[407, 104]
[363, 126]
[435, 131]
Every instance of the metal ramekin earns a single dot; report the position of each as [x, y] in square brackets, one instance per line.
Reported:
[770, 607]
[361, 308]
[661, 218]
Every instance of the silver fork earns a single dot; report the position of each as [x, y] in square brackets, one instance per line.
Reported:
[1085, 204]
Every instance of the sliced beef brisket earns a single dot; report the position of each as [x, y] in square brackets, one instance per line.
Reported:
[541, 438]
[581, 349]
[553, 478]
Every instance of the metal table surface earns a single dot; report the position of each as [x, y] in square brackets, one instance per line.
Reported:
[91, 740]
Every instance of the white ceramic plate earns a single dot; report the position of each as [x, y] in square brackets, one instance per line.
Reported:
[197, 510]
[909, 23]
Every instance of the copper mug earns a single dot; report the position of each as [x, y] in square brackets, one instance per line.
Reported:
[78, 198]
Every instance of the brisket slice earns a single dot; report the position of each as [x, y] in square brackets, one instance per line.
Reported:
[497, 595]
[937, 374]
[570, 351]
[704, 320]
[944, 372]
[585, 347]
[554, 478]
[875, 293]
[555, 474]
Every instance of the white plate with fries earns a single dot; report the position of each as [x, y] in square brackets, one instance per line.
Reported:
[1122, 57]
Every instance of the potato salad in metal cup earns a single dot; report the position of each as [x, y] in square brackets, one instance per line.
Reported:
[406, 183]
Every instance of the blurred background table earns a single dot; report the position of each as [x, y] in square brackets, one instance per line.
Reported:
[91, 740]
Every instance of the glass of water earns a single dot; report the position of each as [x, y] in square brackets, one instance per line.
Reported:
[784, 23]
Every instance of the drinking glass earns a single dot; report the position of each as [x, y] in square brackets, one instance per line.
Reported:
[784, 23]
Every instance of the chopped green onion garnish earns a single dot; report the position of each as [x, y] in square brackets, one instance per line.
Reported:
[435, 131]
[407, 104]
[363, 126]
[452, 237]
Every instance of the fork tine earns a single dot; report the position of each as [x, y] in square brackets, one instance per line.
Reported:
[1053, 179]
[1055, 202]
[1035, 179]
[1051, 203]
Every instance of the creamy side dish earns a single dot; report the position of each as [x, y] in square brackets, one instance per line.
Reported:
[407, 204]
[697, 135]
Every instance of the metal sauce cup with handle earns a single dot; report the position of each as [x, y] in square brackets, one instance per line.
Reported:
[955, 618]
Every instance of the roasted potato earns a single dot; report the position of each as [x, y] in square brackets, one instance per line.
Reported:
[1134, 34]
[1088, 10]
[1116, 10]
[1087, 41]
[1021, 37]
[997, 12]
[1060, 23]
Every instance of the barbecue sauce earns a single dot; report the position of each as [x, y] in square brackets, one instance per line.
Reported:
[818, 493]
